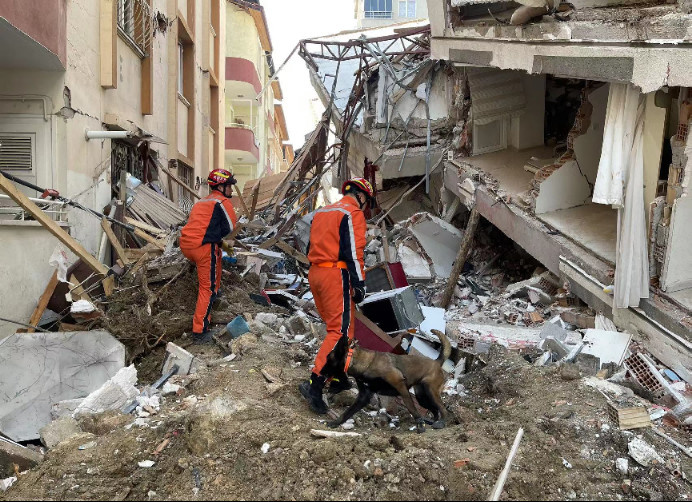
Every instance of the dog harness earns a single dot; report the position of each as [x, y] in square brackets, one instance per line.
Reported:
[349, 356]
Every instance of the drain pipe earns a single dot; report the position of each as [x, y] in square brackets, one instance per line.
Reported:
[108, 135]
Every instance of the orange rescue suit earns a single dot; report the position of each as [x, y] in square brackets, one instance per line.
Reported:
[337, 244]
[211, 219]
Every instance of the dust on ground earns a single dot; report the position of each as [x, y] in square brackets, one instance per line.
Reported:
[217, 426]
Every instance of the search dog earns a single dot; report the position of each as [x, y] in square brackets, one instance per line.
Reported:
[393, 375]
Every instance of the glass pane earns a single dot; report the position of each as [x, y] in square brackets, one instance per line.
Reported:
[412, 8]
[402, 8]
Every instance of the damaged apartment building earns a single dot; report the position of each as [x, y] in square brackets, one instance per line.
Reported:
[98, 96]
[565, 126]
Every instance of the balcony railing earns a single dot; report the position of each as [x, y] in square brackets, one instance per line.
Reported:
[378, 14]
[241, 137]
[56, 210]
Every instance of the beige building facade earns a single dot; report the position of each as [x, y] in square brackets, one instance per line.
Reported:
[255, 132]
[142, 78]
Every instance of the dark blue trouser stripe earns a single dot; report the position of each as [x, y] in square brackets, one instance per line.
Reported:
[346, 316]
[214, 286]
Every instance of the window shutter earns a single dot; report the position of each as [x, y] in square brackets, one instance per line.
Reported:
[16, 153]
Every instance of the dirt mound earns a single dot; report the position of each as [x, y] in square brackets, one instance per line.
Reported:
[145, 317]
[215, 435]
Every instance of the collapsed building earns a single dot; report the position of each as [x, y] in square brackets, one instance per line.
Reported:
[569, 134]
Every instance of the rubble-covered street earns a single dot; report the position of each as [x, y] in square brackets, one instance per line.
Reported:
[237, 427]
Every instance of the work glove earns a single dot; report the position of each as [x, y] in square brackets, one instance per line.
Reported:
[358, 293]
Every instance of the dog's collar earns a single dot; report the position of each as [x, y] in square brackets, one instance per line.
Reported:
[349, 356]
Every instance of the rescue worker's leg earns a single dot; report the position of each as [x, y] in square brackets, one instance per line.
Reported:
[331, 290]
[206, 259]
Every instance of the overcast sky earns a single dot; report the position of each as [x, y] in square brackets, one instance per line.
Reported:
[290, 21]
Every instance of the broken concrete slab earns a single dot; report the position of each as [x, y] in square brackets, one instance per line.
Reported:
[115, 394]
[510, 336]
[608, 346]
[58, 431]
[41, 369]
[416, 268]
[439, 239]
[177, 356]
[554, 331]
[553, 345]
[65, 408]
[12, 453]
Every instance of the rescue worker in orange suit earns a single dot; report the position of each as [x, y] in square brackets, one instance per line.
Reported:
[337, 281]
[211, 219]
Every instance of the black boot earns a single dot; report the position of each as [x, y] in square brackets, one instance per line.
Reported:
[312, 391]
[202, 338]
[339, 383]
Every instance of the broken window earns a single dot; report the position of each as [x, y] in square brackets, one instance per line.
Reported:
[378, 9]
[126, 157]
[135, 24]
[186, 175]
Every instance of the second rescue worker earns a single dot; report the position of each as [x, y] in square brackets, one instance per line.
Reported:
[337, 280]
[211, 219]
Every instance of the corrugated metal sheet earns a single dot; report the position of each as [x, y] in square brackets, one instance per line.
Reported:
[495, 94]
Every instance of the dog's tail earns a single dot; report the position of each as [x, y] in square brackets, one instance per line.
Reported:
[446, 346]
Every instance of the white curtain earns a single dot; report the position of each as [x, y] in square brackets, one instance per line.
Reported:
[620, 183]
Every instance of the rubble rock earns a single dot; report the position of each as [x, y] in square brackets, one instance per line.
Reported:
[112, 395]
[170, 388]
[101, 424]
[244, 343]
[299, 324]
[64, 408]
[643, 453]
[6, 483]
[58, 431]
[260, 329]
[12, 453]
[569, 371]
[268, 319]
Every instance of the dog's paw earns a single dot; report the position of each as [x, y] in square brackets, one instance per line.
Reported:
[440, 424]
[333, 424]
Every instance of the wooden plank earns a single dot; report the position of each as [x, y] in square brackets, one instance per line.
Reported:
[293, 252]
[177, 180]
[77, 291]
[151, 240]
[69, 241]
[255, 195]
[43, 302]
[147, 228]
[242, 201]
[117, 247]
[463, 253]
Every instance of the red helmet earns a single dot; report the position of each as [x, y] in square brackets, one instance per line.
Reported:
[220, 177]
[360, 184]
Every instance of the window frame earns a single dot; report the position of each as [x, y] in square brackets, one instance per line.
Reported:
[378, 9]
[127, 25]
[407, 5]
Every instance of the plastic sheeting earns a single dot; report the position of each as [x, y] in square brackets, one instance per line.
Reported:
[620, 183]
